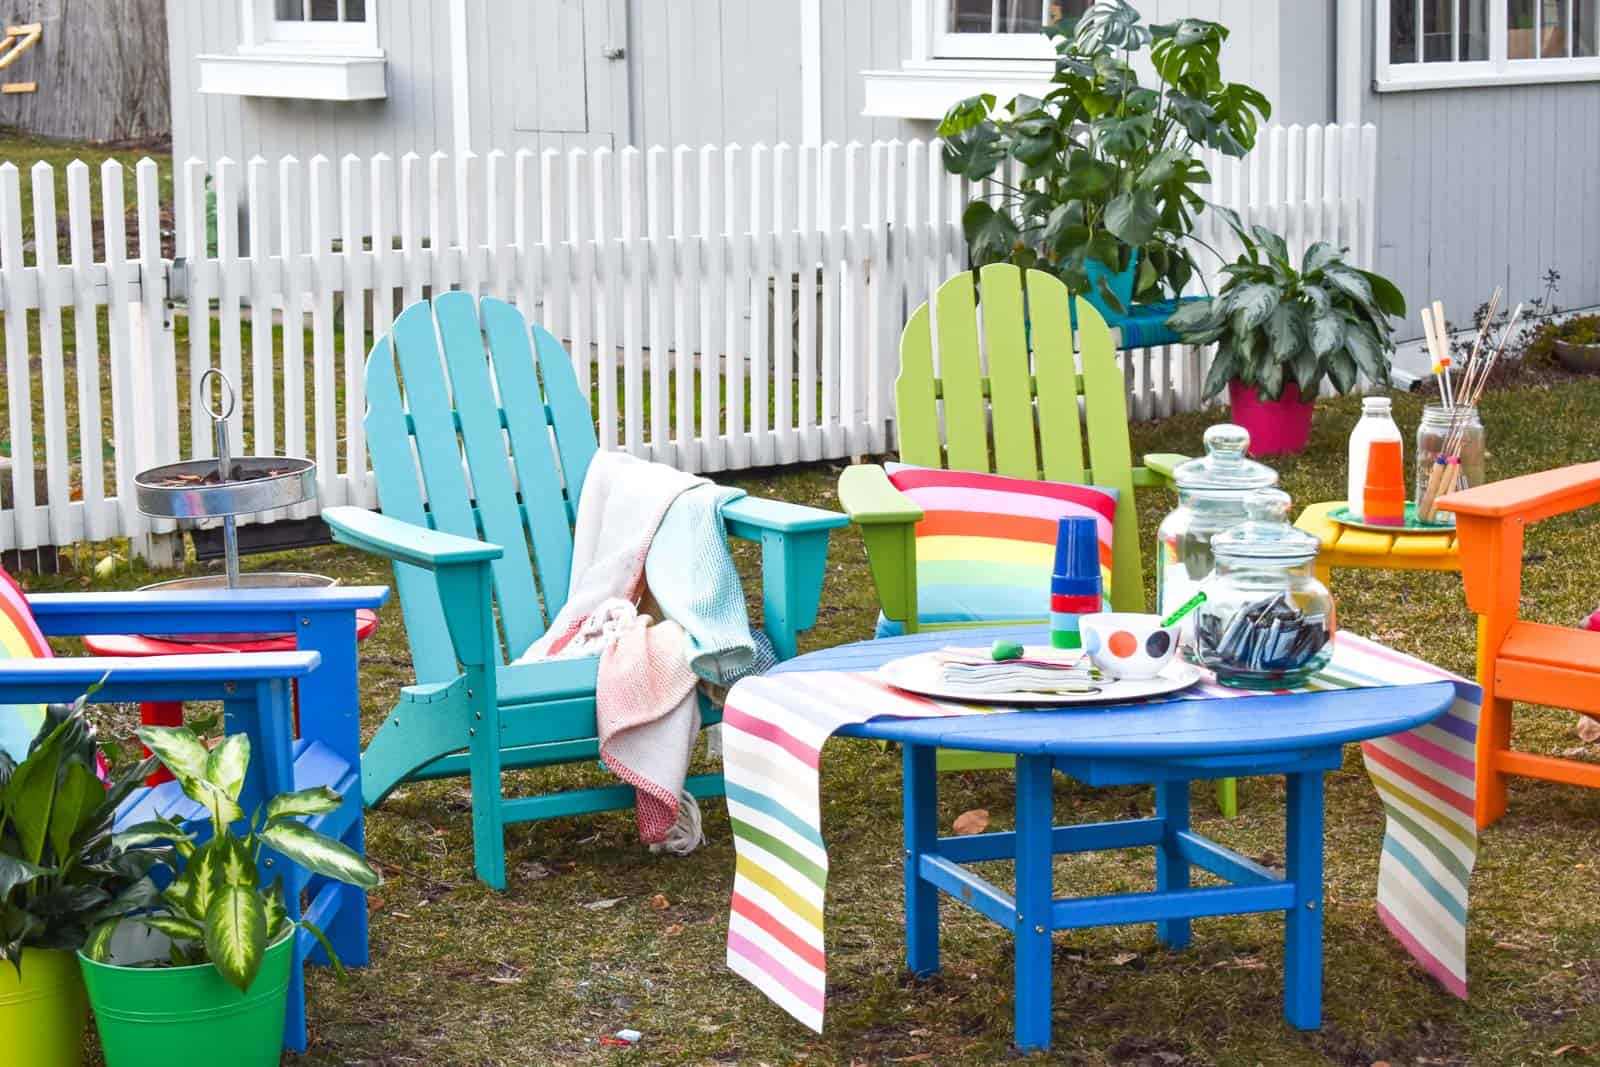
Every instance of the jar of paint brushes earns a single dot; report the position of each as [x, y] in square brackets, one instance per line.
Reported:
[1447, 438]
[1267, 622]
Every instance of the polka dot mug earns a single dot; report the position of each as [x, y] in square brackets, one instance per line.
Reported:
[1126, 644]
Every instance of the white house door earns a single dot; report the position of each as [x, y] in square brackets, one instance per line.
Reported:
[571, 72]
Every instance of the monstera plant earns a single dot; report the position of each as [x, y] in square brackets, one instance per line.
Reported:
[1100, 177]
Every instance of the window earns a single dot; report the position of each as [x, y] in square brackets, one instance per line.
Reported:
[999, 29]
[1444, 43]
[302, 50]
[345, 26]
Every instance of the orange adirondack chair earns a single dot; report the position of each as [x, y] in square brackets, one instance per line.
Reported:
[1519, 660]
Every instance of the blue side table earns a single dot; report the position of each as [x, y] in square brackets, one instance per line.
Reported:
[1300, 736]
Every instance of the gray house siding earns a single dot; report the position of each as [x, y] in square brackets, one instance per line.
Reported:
[1486, 186]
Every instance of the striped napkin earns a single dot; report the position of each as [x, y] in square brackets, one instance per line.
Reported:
[774, 728]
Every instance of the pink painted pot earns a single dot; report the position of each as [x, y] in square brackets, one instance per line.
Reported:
[1276, 426]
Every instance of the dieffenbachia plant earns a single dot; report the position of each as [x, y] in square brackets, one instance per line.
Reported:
[216, 908]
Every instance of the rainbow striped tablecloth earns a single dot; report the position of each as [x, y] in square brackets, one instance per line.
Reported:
[774, 727]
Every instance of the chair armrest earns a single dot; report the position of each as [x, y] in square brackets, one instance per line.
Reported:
[870, 499]
[1161, 465]
[203, 677]
[206, 611]
[747, 516]
[794, 559]
[888, 522]
[1530, 497]
[404, 541]
[1490, 523]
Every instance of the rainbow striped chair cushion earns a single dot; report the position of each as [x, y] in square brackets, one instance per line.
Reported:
[986, 542]
[20, 638]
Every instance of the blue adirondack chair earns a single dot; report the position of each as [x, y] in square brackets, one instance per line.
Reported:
[254, 689]
[502, 439]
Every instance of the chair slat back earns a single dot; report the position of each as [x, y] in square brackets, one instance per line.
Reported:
[461, 439]
[988, 393]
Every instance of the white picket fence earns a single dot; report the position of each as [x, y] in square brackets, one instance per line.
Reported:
[695, 287]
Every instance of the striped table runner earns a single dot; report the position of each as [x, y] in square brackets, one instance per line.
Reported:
[774, 728]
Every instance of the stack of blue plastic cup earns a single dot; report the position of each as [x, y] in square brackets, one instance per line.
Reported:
[1075, 586]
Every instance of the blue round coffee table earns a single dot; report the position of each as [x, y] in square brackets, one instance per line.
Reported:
[1299, 735]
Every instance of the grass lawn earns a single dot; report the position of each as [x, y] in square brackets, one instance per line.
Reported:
[463, 975]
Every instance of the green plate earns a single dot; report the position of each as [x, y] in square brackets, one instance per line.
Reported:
[1343, 517]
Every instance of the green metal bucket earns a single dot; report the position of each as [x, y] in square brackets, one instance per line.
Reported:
[42, 1015]
[148, 1015]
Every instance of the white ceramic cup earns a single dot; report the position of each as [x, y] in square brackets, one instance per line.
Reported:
[1127, 644]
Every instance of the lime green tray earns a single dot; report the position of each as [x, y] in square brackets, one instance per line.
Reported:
[1343, 517]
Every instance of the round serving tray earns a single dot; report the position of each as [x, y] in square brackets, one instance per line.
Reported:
[191, 490]
[921, 674]
[1343, 516]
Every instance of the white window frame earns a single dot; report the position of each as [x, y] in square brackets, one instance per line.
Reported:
[1498, 69]
[264, 33]
[947, 44]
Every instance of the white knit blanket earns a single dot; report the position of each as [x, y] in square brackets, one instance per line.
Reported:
[645, 697]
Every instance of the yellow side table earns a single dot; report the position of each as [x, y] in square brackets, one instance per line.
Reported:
[1346, 546]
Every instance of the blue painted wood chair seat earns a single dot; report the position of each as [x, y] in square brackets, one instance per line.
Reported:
[481, 441]
[1300, 736]
[256, 693]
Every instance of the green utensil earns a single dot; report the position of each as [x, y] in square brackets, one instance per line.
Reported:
[1184, 609]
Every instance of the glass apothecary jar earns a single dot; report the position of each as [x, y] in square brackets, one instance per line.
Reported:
[1267, 622]
[1211, 495]
[1434, 434]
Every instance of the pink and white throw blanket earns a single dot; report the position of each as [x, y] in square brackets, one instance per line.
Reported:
[774, 728]
[645, 694]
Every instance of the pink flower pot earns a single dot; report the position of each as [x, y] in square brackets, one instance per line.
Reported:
[1276, 426]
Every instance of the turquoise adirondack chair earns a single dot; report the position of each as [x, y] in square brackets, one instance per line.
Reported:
[480, 460]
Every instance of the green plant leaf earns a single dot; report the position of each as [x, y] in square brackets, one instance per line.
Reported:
[965, 114]
[1342, 371]
[1305, 368]
[1254, 305]
[272, 909]
[327, 947]
[16, 872]
[1367, 352]
[1132, 217]
[1327, 334]
[992, 236]
[1385, 294]
[225, 765]
[1285, 331]
[30, 794]
[1319, 257]
[175, 927]
[1223, 369]
[236, 934]
[1349, 282]
[178, 749]
[152, 832]
[97, 946]
[313, 801]
[974, 154]
[319, 854]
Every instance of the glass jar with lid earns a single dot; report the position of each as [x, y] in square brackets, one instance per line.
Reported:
[1211, 495]
[1266, 622]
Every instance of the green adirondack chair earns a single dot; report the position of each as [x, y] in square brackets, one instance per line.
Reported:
[990, 426]
[478, 521]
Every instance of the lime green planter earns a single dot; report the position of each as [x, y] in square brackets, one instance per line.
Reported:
[149, 1015]
[42, 1014]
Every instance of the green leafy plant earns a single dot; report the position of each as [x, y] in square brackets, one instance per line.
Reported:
[1273, 324]
[1107, 165]
[216, 908]
[61, 870]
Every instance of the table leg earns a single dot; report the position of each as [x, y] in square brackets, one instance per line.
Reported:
[1035, 894]
[922, 835]
[1172, 870]
[160, 713]
[1302, 929]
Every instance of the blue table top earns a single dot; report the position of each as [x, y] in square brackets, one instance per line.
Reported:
[1185, 725]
